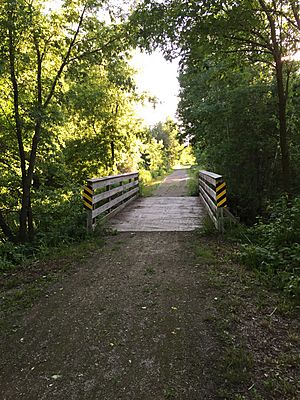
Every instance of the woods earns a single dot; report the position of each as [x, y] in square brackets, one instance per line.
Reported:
[155, 301]
[68, 95]
[226, 48]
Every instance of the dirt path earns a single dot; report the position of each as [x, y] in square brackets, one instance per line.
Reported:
[174, 185]
[130, 324]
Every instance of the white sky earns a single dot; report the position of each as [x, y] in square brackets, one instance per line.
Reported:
[158, 77]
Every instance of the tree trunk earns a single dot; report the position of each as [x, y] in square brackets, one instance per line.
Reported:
[23, 227]
[283, 134]
[26, 218]
[282, 97]
[6, 229]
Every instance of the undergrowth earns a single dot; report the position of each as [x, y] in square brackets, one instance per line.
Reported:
[149, 181]
[272, 245]
[60, 221]
[193, 181]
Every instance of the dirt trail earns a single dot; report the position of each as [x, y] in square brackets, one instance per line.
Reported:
[130, 324]
[174, 185]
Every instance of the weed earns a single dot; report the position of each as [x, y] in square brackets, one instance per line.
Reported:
[193, 181]
[207, 228]
[237, 362]
[170, 393]
[147, 290]
[150, 271]
[205, 255]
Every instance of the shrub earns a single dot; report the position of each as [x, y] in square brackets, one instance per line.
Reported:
[59, 219]
[275, 247]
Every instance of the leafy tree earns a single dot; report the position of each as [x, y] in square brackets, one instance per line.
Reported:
[259, 31]
[168, 133]
[39, 51]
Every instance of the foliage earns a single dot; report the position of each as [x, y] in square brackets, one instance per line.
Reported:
[160, 149]
[187, 156]
[275, 245]
[193, 181]
[233, 126]
[67, 91]
[239, 92]
[60, 221]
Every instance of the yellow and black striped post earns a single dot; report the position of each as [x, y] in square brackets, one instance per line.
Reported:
[88, 197]
[221, 195]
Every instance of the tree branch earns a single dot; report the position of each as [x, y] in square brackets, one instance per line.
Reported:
[252, 42]
[82, 55]
[13, 77]
[295, 10]
[65, 59]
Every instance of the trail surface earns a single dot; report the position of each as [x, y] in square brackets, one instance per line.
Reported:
[174, 185]
[169, 209]
[129, 324]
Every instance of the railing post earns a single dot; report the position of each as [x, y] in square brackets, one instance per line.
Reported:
[88, 193]
[89, 220]
[212, 190]
[221, 220]
[221, 198]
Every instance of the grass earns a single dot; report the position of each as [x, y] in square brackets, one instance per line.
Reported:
[21, 287]
[170, 393]
[193, 181]
[147, 189]
[205, 255]
[150, 271]
[256, 326]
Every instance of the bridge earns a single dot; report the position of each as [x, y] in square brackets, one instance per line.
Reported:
[169, 209]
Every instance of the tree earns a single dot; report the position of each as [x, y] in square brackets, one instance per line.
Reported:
[168, 133]
[38, 50]
[263, 32]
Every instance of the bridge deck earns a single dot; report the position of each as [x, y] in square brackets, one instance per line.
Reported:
[160, 214]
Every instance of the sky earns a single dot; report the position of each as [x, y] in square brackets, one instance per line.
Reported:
[158, 77]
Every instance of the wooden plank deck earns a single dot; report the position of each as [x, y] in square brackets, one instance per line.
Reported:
[160, 214]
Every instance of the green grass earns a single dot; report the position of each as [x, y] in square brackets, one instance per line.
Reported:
[193, 181]
[147, 189]
[205, 255]
[246, 308]
[170, 393]
[150, 271]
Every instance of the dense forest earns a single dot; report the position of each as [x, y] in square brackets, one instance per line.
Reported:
[67, 113]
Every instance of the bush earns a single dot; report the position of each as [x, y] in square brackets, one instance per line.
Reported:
[59, 219]
[275, 247]
[145, 176]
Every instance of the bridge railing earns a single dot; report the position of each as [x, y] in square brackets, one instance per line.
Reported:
[212, 190]
[107, 196]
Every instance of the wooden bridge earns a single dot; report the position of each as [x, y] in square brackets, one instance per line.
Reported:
[170, 209]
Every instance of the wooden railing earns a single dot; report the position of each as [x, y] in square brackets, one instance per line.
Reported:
[212, 190]
[107, 196]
